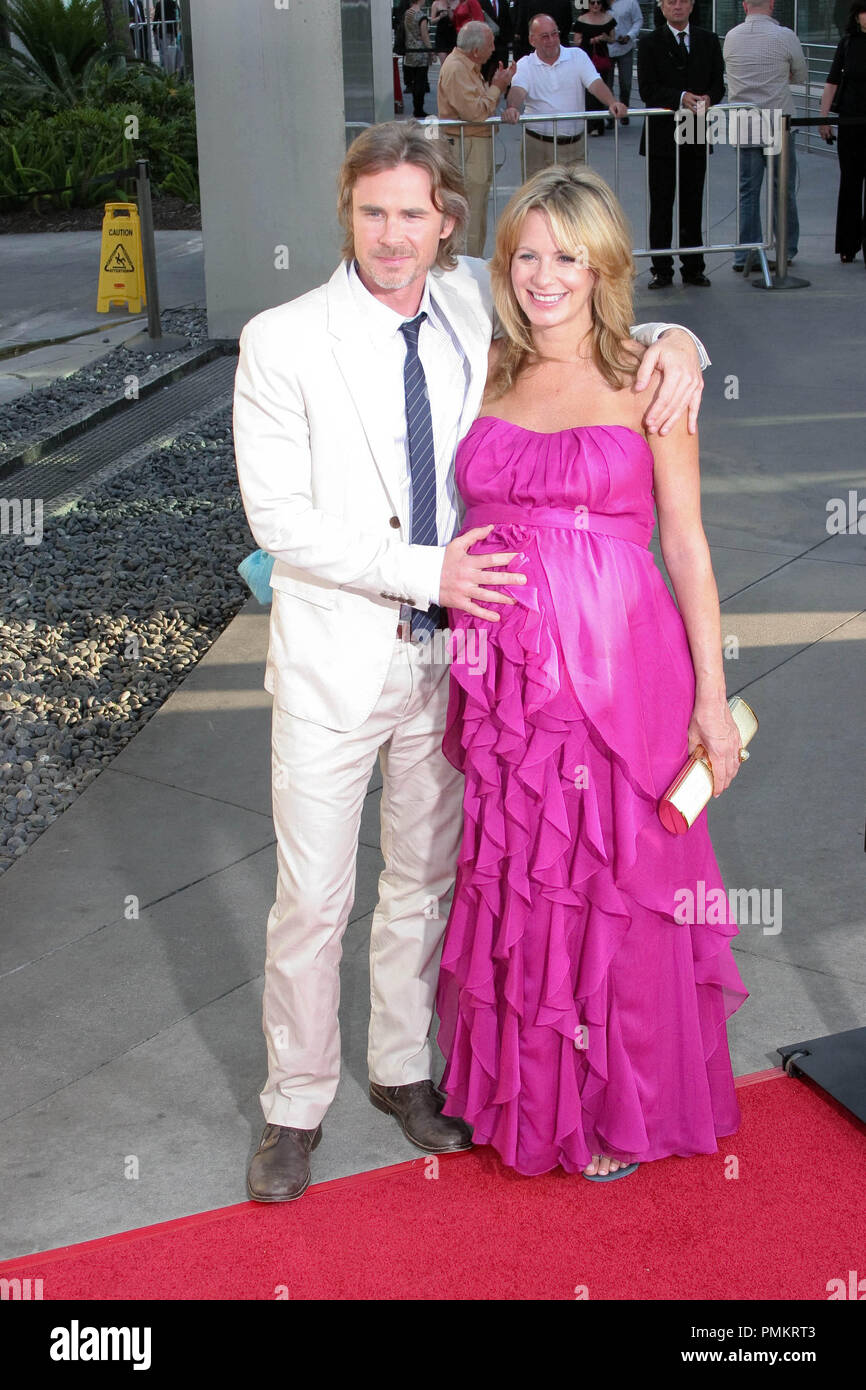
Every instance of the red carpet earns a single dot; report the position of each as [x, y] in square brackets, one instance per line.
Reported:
[793, 1219]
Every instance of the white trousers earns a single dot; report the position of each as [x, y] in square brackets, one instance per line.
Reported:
[320, 778]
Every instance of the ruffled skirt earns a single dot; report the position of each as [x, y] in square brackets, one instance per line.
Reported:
[579, 1013]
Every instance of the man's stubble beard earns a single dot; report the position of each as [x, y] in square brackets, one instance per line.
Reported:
[394, 279]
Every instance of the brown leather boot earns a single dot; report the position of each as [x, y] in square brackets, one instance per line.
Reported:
[280, 1168]
[416, 1108]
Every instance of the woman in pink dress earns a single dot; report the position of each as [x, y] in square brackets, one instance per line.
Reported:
[582, 1020]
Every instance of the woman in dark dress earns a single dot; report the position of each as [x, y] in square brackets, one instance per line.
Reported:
[445, 35]
[846, 82]
[416, 59]
[592, 32]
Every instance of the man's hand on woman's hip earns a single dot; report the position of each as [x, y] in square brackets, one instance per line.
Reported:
[467, 579]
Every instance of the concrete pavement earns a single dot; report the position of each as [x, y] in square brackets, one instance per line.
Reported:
[48, 291]
[139, 1037]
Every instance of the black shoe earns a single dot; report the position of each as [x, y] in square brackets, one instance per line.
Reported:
[660, 282]
[696, 280]
[738, 269]
[624, 120]
[846, 260]
[279, 1170]
[417, 1108]
[608, 125]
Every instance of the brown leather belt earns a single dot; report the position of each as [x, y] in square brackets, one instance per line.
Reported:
[560, 139]
[404, 630]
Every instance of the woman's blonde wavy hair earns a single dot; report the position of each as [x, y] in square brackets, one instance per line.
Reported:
[586, 221]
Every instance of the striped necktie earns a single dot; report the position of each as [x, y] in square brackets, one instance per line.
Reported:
[422, 466]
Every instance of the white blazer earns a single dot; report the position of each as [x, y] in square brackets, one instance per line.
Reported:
[322, 494]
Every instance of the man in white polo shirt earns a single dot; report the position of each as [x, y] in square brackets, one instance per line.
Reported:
[549, 80]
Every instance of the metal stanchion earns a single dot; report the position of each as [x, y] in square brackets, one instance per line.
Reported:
[646, 165]
[707, 247]
[737, 175]
[781, 279]
[675, 239]
[708, 181]
[769, 220]
[154, 340]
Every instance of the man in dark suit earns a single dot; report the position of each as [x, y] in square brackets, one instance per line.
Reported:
[678, 65]
[560, 11]
[500, 12]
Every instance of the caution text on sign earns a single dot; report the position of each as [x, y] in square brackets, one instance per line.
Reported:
[121, 270]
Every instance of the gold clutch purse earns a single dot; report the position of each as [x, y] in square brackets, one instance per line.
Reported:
[692, 788]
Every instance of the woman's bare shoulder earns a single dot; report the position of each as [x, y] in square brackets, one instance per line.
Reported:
[639, 401]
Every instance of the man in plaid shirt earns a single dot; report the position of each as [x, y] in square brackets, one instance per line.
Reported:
[762, 59]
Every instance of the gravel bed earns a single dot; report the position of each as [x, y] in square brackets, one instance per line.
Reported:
[104, 618]
[40, 413]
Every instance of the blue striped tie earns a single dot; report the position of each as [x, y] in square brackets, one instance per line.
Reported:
[422, 466]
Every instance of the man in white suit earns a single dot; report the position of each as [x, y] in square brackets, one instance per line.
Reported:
[338, 395]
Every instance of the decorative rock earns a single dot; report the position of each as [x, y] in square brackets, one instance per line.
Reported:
[149, 559]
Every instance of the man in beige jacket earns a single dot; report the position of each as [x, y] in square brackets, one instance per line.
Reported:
[465, 96]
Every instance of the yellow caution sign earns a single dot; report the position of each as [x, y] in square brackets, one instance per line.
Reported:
[121, 269]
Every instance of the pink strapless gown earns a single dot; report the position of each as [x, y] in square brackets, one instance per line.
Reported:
[578, 1016]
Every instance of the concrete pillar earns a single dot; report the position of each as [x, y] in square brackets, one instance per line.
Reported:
[271, 136]
[270, 78]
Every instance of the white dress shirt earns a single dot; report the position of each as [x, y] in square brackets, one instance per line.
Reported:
[446, 370]
[554, 87]
[629, 20]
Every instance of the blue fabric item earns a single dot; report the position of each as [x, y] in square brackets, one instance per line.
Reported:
[752, 168]
[422, 465]
[255, 570]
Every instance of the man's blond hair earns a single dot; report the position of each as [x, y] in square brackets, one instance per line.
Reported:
[393, 143]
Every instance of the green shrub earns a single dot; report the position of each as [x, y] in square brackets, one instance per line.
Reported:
[61, 41]
[64, 107]
[66, 150]
[71, 29]
[161, 95]
[104, 80]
